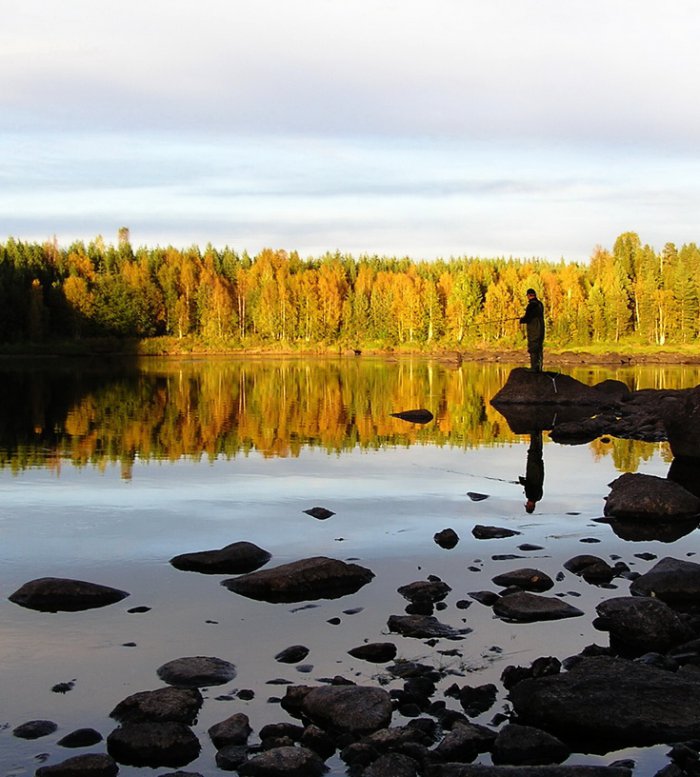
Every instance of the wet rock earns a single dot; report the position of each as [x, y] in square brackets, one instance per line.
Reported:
[420, 416]
[447, 538]
[685, 471]
[673, 581]
[392, 765]
[235, 559]
[34, 729]
[492, 532]
[283, 762]
[546, 770]
[422, 627]
[86, 765]
[312, 578]
[177, 704]
[488, 598]
[641, 624]
[375, 652]
[528, 579]
[315, 738]
[525, 607]
[640, 496]
[320, 513]
[348, 708]
[197, 672]
[425, 591]
[477, 699]
[516, 744]
[58, 594]
[464, 742]
[153, 744]
[229, 758]
[592, 569]
[604, 703]
[81, 737]
[235, 730]
[292, 654]
[475, 496]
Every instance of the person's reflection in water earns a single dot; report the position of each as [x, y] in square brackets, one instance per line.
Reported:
[534, 472]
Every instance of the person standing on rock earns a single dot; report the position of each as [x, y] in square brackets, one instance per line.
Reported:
[534, 321]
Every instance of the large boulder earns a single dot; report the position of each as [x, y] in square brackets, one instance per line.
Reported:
[54, 594]
[604, 703]
[354, 709]
[234, 559]
[640, 496]
[674, 581]
[179, 704]
[312, 578]
[153, 744]
[524, 387]
[641, 624]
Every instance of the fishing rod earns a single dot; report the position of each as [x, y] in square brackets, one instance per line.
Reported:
[494, 321]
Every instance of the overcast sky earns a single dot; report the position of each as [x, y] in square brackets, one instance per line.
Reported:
[400, 127]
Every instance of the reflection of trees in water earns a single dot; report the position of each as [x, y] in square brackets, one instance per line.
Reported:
[227, 407]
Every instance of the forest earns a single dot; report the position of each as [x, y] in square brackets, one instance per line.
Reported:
[218, 298]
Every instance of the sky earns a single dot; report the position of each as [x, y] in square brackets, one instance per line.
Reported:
[419, 128]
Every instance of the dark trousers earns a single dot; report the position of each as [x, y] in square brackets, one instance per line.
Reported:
[535, 352]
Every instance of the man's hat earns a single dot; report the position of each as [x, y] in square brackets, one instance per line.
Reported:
[531, 291]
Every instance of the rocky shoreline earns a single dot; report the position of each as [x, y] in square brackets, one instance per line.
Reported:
[637, 690]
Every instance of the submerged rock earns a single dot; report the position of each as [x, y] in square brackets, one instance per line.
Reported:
[375, 652]
[153, 744]
[54, 594]
[673, 581]
[312, 578]
[637, 495]
[526, 578]
[422, 627]
[525, 607]
[85, 765]
[197, 672]
[234, 559]
[420, 416]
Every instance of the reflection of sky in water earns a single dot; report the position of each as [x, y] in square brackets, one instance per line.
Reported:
[166, 506]
[92, 524]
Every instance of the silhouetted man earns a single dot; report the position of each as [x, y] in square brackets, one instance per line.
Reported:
[534, 472]
[534, 320]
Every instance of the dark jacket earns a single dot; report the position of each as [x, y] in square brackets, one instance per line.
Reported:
[534, 318]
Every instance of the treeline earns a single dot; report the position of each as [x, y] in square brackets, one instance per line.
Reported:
[631, 293]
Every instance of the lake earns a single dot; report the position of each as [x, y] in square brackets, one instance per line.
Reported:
[111, 468]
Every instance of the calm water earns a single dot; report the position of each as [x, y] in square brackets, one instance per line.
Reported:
[110, 470]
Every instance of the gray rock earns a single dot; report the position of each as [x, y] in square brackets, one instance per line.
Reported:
[422, 627]
[425, 591]
[153, 744]
[54, 594]
[283, 762]
[85, 765]
[312, 578]
[640, 496]
[681, 418]
[526, 578]
[673, 581]
[525, 387]
[525, 607]
[235, 559]
[641, 623]
[197, 672]
[605, 703]
[447, 538]
[320, 513]
[177, 704]
[235, 730]
[229, 758]
[355, 709]
[392, 765]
